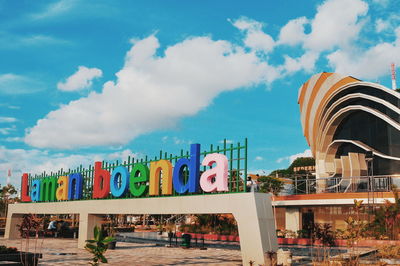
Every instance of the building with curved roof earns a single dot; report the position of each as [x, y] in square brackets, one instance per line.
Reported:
[353, 130]
[344, 119]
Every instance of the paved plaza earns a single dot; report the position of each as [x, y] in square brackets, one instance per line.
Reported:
[65, 252]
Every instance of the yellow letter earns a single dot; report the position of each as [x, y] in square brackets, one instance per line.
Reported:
[62, 190]
[155, 168]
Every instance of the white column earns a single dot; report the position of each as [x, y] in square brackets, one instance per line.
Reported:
[256, 227]
[87, 222]
[11, 231]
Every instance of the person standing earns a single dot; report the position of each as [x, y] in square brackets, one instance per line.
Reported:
[52, 227]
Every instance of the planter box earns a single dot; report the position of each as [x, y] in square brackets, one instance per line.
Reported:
[391, 261]
[339, 242]
[29, 257]
[212, 237]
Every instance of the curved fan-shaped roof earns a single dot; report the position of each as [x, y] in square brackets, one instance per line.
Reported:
[326, 99]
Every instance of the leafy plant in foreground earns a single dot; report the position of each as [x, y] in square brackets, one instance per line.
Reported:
[98, 246]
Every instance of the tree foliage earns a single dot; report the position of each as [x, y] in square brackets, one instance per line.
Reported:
[298, 162]
[302, 161]
[6, 193]
[269, 184]
[386, 220]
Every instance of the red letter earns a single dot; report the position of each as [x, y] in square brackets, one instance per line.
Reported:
[101, 182]
[24, 188]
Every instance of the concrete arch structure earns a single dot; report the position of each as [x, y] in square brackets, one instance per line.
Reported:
[252, 211]
[327, 101]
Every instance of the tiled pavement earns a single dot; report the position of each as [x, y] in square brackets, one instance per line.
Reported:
[65, 252]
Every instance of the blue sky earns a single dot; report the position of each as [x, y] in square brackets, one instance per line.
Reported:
[90, 80]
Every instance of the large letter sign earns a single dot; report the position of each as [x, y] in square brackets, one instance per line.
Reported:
[192, 185]
[162, 179]
[219, 173]
[138, 179]
[62, 190]
[155, 172]
[35, 193]
[75, 186]
[101, 182]
[119, 175]
[25, 189]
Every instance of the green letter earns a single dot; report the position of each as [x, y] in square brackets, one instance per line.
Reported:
[48, 189]
[138, 179]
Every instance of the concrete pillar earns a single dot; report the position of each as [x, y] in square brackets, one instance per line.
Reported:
[11, 231]
[292, 219]
[87, 222]
[260, 237]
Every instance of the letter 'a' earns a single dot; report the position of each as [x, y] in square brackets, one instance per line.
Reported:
[216, 178]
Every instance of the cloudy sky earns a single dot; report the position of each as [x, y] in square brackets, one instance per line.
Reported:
[90, 80]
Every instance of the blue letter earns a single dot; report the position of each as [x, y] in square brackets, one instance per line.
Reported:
[35, 193]
[193, 165]
[118, 190]
[75, 191]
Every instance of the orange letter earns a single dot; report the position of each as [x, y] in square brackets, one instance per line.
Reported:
[62, 190]
[155, 168]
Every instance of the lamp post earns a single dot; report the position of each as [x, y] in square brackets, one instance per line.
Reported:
[369, 157]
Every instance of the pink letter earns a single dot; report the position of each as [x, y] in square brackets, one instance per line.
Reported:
[219, 173]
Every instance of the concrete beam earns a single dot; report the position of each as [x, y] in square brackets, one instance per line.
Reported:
[252, 211]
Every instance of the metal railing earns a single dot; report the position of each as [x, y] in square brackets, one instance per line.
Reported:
[381, 183]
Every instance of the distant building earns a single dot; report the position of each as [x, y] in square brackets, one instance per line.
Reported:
[353, 130]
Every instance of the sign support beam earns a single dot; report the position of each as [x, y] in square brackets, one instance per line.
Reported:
[252, 211]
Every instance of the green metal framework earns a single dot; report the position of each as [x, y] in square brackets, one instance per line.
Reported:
[237, 171]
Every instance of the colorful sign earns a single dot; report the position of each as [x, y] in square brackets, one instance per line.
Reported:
[161, 178]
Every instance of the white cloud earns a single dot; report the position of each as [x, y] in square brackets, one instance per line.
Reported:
[4, 119]
[336, 24]
[255, 38]
[16, 84]
[381, 25]
[152, 92]
[228, 141]
[176, 140]
[7, 130]
[383, 3]
[259, 158]
[14, 139]
[55, 9]
[291, 158]
[81, 79]
[368, 64]
[179, 141]
[12, 41]
[305, 62]
[6, 105]
[326, 33]
[293, 32]
[36, 161]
